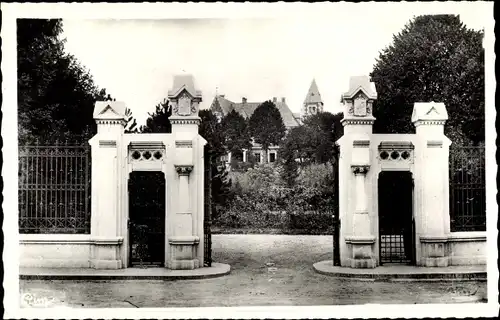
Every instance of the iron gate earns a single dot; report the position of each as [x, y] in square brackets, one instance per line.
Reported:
[467, 188]
[54, 188]
[207, 222]
[396, 223]
[336, 211]
[147, 218]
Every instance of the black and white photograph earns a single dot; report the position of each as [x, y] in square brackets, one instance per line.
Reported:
[249, 160]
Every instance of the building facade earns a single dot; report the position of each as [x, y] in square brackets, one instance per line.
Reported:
[221, 107]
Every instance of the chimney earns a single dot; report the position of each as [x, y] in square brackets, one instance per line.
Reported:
[283, 99]
[222, 95]
[244, 100]
[275, 99]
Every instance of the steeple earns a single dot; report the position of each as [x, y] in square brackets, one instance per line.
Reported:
[313, 95]
[313, 102]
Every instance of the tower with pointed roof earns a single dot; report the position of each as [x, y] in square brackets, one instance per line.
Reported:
[313, 102]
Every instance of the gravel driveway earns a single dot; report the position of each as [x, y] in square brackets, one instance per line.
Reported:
[266, 270]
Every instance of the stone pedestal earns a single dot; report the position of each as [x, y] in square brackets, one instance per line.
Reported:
[182, 253]
[106, 253]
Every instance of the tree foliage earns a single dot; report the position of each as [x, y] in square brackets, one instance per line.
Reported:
[236, 133]
[220, 188]
[266, 126]
[56, 94]
[313, 142]
[211, 129]
[434, 58]
[325, 129]
[158, 121]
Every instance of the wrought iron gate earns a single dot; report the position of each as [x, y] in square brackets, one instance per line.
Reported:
[147, 218]
[54, 188]
[396, 223]
[336, 211]
[207, 222]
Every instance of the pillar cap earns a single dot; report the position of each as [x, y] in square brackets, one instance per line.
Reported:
[360, 84]
[358, 101]
[184, 97]
[109, 110]
[429, 112]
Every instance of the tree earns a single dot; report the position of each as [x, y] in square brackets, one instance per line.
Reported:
[158, 121]
[56, 94]
[210, 129]
[313, 142]
[266, 126]
[326, 130]
[434, 58]
[236, 134]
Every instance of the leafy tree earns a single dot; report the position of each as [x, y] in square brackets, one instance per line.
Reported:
[236, 134]
[313, 142]
[434, 58]
[56, 94]
[210, 129]
[158, 121]
[266, 126]
[326, 130]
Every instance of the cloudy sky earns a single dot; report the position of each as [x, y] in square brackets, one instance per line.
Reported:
[257, 58]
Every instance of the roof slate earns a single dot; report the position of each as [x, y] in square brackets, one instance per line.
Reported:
[248, 108]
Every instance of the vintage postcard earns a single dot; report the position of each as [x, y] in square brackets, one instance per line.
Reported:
[249, 160]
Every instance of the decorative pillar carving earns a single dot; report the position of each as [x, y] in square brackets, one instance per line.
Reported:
[431, 184]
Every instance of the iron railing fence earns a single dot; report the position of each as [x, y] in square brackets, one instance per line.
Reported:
[208, 208]
[54, 188]
[467, 188]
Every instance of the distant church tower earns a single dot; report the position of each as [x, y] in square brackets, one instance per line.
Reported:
[313, 103]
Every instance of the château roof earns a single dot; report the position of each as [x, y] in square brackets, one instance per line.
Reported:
[246, 109]
[313, 95]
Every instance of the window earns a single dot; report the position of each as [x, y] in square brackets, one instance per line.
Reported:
[313, 109]
[272, 157]
[257, 157]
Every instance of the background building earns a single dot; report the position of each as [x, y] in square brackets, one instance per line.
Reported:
[221, 107]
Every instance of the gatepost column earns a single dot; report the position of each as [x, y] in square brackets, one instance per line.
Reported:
[105, 215]
[431, 185]
[356, 235]
[186, 242]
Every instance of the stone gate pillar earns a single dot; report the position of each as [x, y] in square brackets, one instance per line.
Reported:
[186, 223]
[105, 146]
[432, 215]
[356, 231]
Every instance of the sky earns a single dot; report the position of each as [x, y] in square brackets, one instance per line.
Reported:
[256, 58]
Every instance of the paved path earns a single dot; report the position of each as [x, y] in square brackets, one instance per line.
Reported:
[266, 270]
